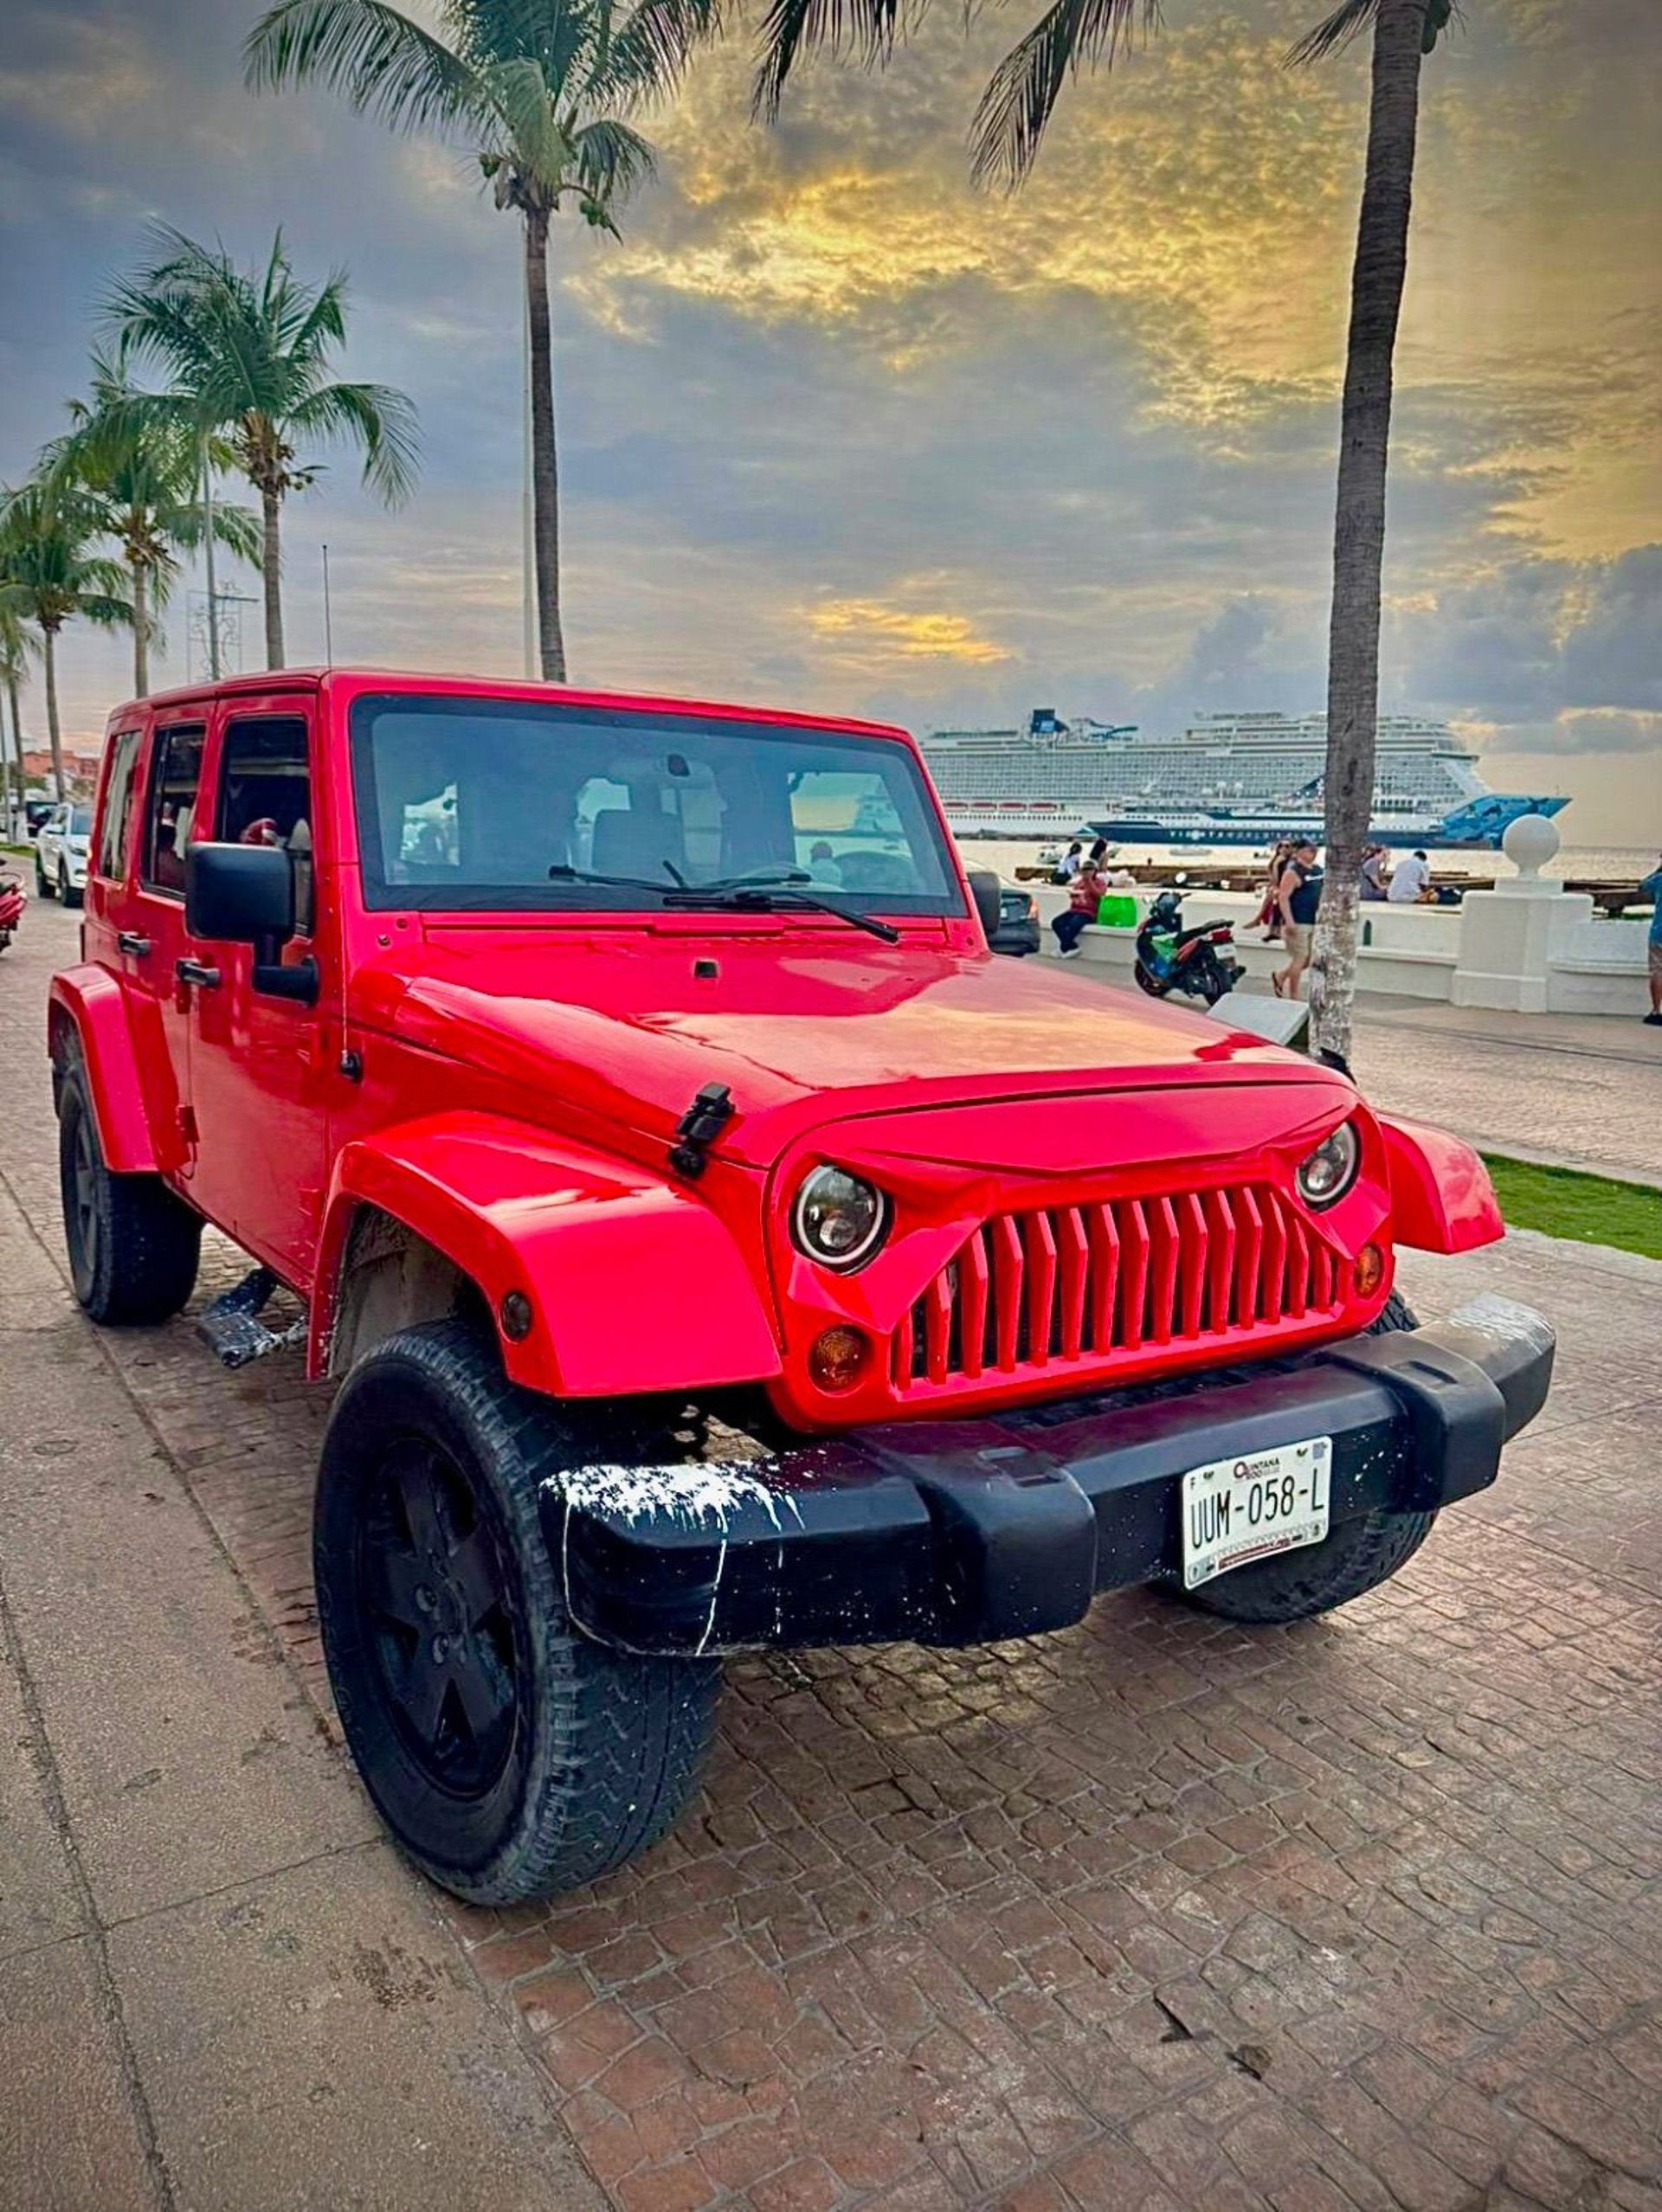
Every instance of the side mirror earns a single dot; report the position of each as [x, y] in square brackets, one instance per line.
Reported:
[239, 894]
[985, 888]
[244, 895]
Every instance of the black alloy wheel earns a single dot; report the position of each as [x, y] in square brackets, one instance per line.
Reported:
[442, 1618]
[80, 1170]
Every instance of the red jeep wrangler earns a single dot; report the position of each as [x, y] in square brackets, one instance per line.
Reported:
[717, 1248]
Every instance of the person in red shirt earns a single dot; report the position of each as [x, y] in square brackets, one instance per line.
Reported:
[1085, 896]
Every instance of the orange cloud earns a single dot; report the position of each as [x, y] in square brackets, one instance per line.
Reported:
[868, 624]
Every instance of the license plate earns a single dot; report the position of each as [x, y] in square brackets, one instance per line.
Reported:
[1237, 1510]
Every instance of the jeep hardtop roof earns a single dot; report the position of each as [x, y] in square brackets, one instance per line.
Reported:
[356, 678]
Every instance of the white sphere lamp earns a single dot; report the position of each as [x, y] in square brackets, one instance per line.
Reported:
[1529, 844]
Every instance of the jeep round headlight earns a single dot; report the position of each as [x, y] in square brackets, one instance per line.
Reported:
[1328, 1174]
[840, 1219]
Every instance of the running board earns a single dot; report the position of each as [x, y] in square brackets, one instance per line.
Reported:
[231, 1327]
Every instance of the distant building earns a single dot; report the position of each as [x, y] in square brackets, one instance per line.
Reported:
[80, 770]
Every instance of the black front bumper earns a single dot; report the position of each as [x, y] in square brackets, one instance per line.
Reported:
[967, 1532]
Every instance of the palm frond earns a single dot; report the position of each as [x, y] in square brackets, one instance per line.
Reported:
[1022, 94]
[237, 529]
[108, 610]
[315, 325]
[611, 161]
[376, 417]
[1348, 21]
[535, 142]
[869, 28]
[649, 54]
[379, 61]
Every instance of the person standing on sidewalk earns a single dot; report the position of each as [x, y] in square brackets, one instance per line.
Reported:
[1085, 896]
[1652, 889]
[1297, 899]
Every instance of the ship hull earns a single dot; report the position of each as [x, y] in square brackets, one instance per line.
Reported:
[1478, 828]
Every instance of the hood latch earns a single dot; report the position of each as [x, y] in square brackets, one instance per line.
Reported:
[698, 1127]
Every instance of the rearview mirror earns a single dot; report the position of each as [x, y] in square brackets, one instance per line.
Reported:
[244, 895]
[985, 888]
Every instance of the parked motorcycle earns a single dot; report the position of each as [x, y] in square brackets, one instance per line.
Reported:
[12, 909]
[1171, 958]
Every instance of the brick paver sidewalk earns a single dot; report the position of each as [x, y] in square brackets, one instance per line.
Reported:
[1155, 1914]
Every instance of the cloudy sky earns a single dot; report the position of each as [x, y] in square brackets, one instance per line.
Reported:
[841, 433]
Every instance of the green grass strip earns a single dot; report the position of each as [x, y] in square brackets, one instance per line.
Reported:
[1587, 1209]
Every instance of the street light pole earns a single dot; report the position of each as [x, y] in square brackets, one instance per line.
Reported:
[328, 622]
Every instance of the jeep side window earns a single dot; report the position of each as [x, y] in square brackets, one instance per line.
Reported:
[112, 863]
[175, 775]
[265, 795]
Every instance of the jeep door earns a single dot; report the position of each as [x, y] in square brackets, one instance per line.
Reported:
[261, 1066]
[142, 904]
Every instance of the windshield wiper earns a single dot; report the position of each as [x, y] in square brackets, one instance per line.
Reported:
[736, 894]
[754, 899]
[563, 872]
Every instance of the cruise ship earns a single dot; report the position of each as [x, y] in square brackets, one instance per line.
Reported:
[1229, 779]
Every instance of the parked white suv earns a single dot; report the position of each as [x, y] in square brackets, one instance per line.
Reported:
[60, 852]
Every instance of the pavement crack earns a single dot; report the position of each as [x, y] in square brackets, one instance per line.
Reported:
[49, 1782]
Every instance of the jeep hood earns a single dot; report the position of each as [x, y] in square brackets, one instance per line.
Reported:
[623, 1029]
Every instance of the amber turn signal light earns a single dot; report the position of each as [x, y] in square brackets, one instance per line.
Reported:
[1371, 1270]
[837, 1359]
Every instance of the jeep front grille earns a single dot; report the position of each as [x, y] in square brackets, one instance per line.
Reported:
[1096, 1286]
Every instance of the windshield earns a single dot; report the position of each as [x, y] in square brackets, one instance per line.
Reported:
[81, 821]
[508, 805]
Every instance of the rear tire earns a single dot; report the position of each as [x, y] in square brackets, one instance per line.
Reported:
[510, 1756]
[133, 1247]
[1355, 1556]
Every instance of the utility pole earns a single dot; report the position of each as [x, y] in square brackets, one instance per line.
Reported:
[328, 623]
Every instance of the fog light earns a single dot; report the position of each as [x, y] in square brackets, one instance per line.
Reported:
[1371, 1270]
[838, 1359]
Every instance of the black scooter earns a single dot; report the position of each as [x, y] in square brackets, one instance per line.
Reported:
[1171, 958]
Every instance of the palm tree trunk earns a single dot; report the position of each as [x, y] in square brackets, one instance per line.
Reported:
[17, 746]
[49, 655]
[273, 576]
[545, 458]
[13, 795]
[140, 629]
[208, 562]
[1376, 283]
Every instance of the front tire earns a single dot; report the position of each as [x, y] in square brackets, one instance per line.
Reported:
[42, 888]
[510, 1756]
[1354, 1557]
[133, 1247]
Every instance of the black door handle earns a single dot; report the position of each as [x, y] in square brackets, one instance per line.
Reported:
[197, 972]
[129, 940]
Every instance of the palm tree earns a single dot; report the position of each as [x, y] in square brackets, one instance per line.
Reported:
[249, 353]
[539, 89]
[49, 574]
[14, 667]
[140, 466]
[1006, 136]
